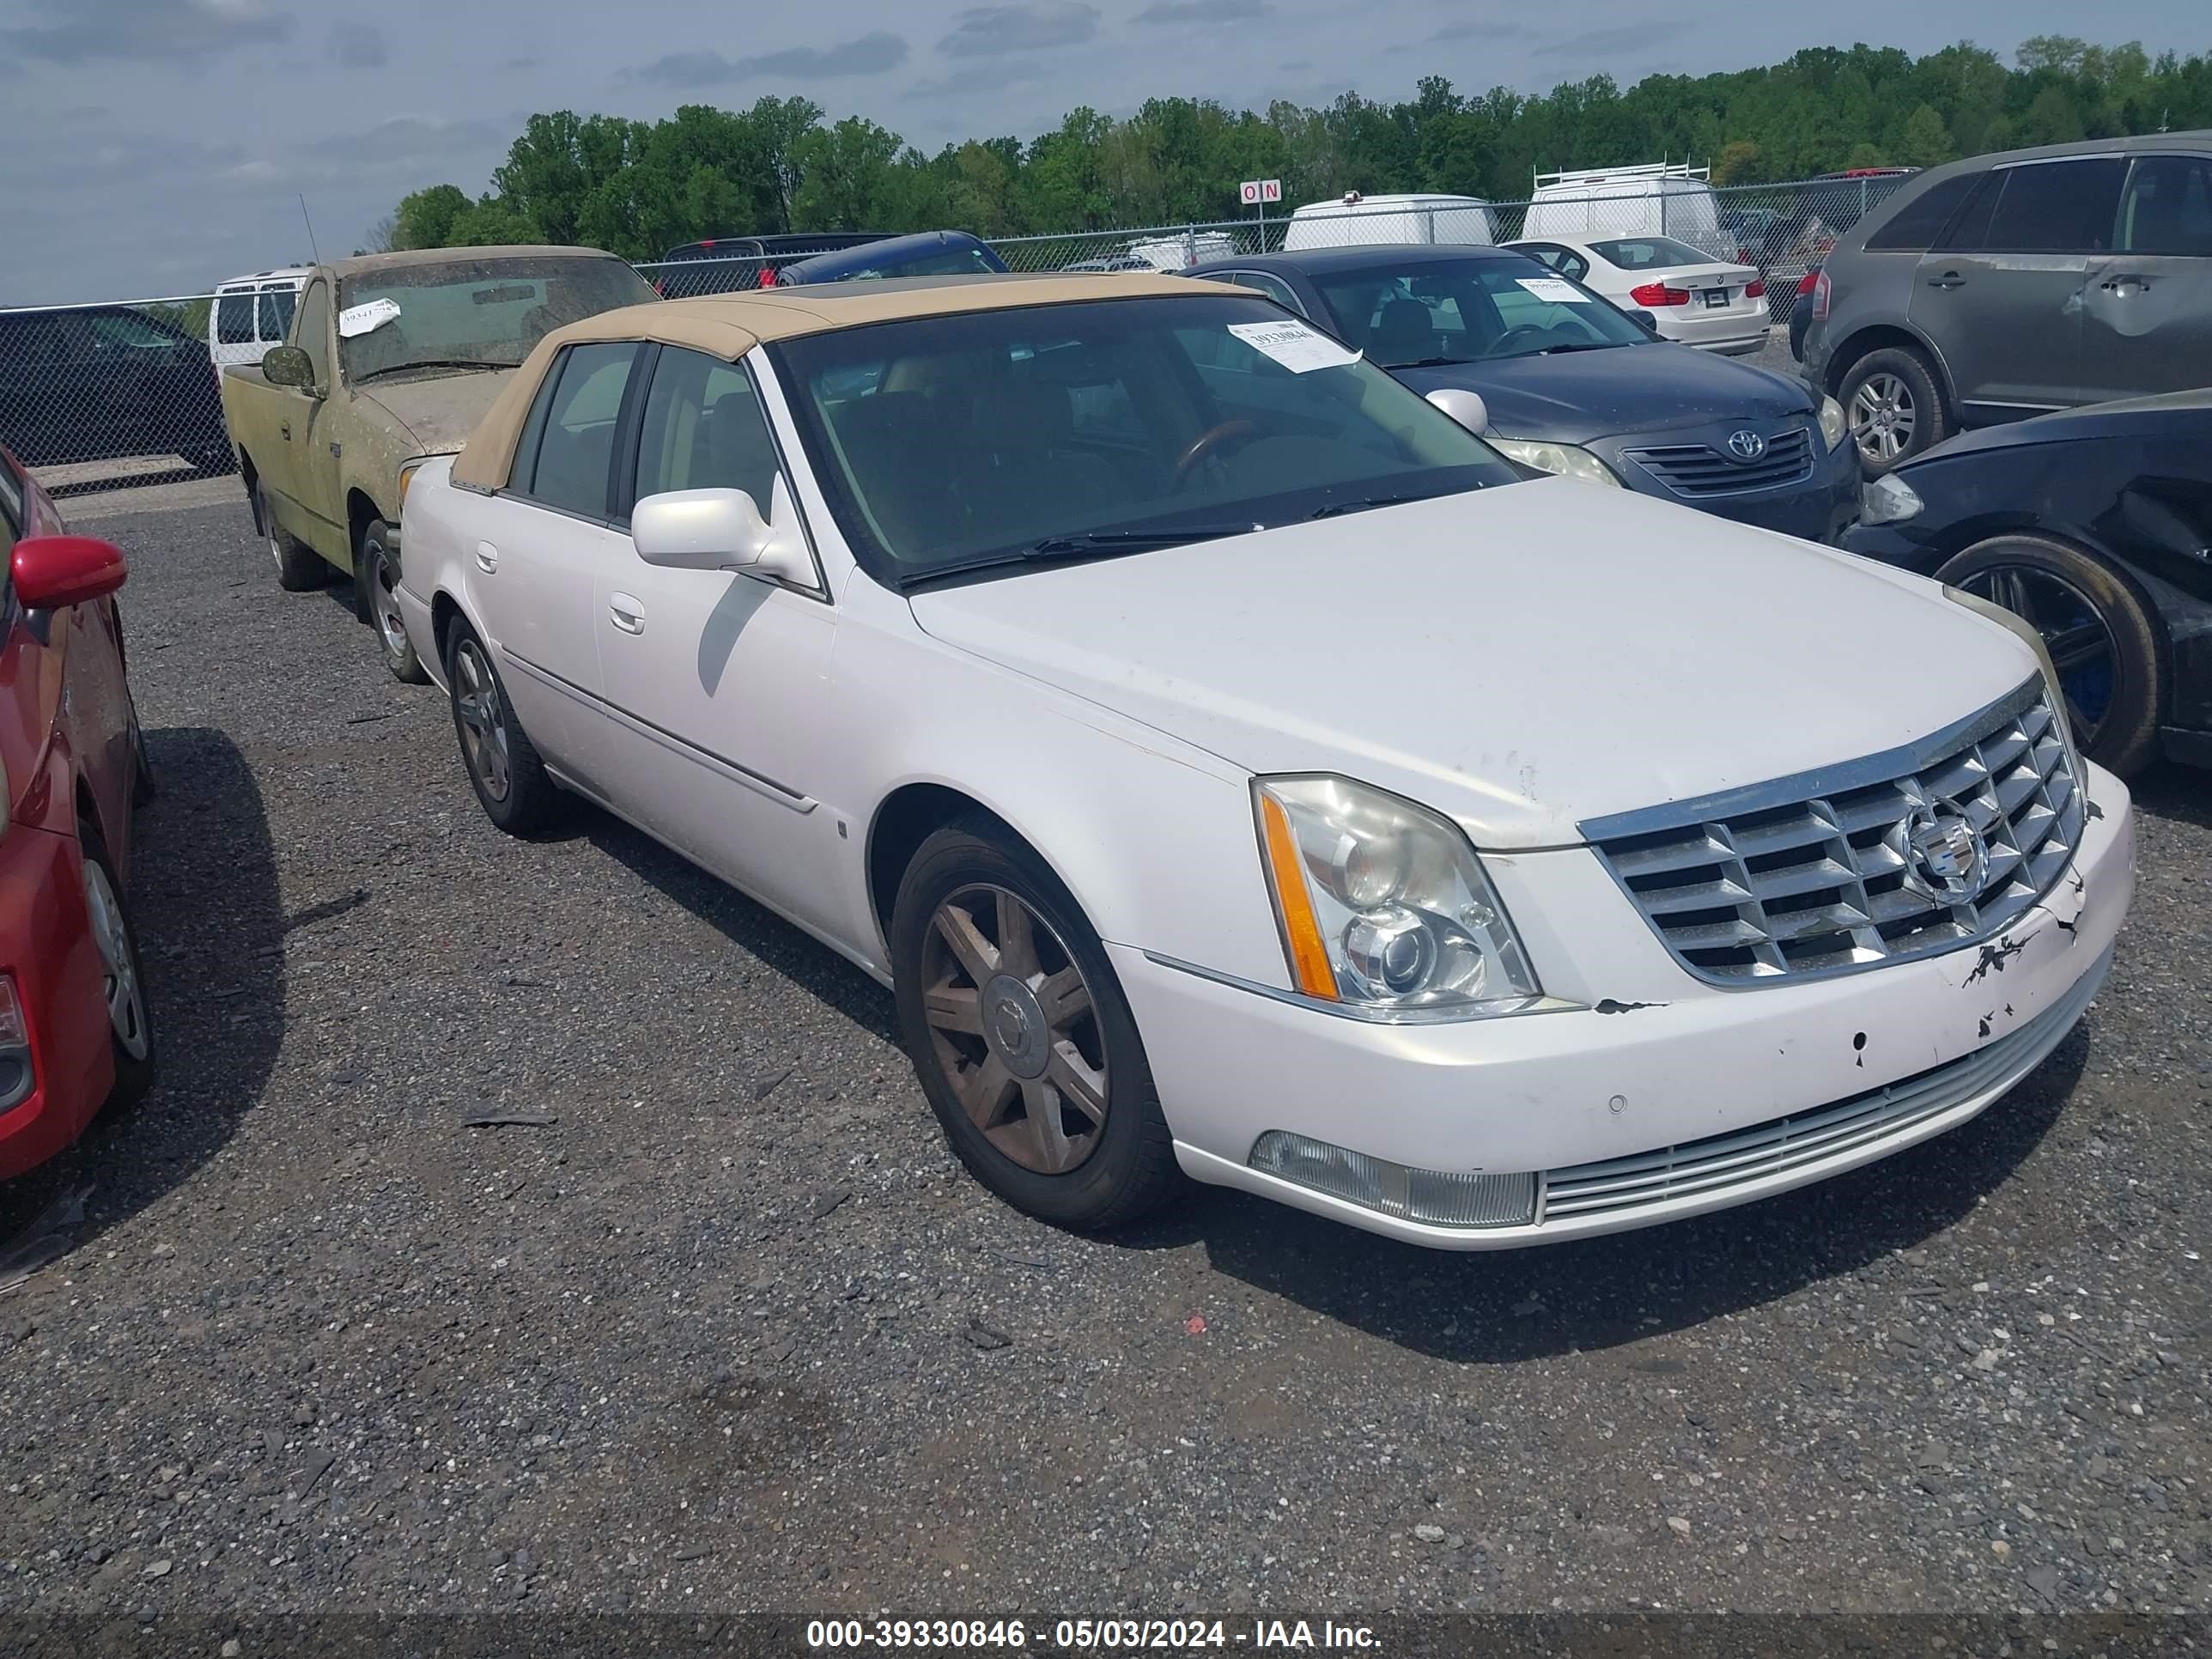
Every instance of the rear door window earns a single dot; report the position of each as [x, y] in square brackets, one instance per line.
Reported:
[233, 319]
[2167, 207]
[2056, 207]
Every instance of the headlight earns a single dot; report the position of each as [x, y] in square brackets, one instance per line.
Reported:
[1383, 906]
[1833, 423]
[1568, 460]
[1887, 500]
[2027, 630]
[407, 471]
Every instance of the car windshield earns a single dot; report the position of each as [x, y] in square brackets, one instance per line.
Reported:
[1648, 253]
[1467, 311]
[467, 312]
[1104, 427]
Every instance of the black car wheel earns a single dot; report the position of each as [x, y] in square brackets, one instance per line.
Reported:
[1894, 406]
[1018, 1030]
[2102, 634]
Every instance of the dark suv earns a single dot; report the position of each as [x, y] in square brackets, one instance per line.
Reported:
[726, 265]
[2013, 284]
[96, 383]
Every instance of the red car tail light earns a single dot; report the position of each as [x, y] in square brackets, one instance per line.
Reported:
[1805, 283]
[1821, 298]
[1658, 293]
[16, 1076]
[1755, 289]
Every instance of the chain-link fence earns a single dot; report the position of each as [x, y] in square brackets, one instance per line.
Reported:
[94, 396]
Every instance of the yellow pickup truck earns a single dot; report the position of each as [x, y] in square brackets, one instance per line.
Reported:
[392, 358]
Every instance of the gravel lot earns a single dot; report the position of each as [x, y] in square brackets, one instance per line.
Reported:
[735, 1331]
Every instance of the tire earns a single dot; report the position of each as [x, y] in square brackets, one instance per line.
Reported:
[2102, 634]
[1036, 1135]
[131, 1024]
[379, 576]
[144, 786]
[502, 761]
[1895, 407]
[300, 569]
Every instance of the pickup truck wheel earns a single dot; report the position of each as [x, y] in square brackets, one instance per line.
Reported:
[1023, 1042]
[502, 761]
[299, 568]
[379, 582]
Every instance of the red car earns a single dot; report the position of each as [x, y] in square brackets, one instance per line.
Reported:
[74, 1025]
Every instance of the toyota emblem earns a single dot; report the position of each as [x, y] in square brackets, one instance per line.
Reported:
[1746, 445]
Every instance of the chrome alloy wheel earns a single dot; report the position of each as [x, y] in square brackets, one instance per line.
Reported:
[118, 974]
[483, 715]
[1883, 418]
[1014, 1029]
[384, 601]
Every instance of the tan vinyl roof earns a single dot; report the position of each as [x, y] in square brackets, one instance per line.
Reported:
[729, 325]
[363, 265]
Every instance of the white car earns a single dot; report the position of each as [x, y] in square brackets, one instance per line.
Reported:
[1693, 298]
[1233, 766]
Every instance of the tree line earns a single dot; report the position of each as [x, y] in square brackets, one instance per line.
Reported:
[638, 188]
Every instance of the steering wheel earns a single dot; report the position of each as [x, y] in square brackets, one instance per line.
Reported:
[1206, 442]
[1513, 334]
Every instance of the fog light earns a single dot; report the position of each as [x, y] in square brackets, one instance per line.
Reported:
[1436, 1198]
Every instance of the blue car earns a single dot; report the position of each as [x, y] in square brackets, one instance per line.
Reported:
[1573, 386]
[927, 254]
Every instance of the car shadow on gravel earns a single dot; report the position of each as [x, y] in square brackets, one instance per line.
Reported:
[2175, 791]
[204, 901]
[1498, 1307]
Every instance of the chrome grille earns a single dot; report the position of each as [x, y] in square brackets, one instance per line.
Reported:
[1699, 470]
[1817, 874]
[1721, 1163]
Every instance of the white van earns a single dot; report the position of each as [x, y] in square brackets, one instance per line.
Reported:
[1662, 199]
[1174, 253]
[1354, 221]
[252, 313]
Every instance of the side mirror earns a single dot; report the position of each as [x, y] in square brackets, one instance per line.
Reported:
[52, 572]
[718, 530]
[1464, 406]
[287, 365]
[1646, 318]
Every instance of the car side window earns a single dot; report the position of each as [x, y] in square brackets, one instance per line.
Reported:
[1918, 225]
[311, 329]
[2167, 207]
[704, 429]
[1572, 264]
[2056, 207]
[233, 319]
[573, 429]
[1261, 282]
[276, 312]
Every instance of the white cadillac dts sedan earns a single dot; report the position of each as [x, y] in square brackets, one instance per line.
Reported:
[1237, 768]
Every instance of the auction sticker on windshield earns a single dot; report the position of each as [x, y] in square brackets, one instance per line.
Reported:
[1296, 347]
[1553, 288]
[366, 317]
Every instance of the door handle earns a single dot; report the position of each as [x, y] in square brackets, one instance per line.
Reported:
[2125, 280]
[487, 557]
[627, 614]
[1948, 279]
[284, 431]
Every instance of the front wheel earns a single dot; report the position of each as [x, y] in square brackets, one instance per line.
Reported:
[123, 977]
[503, 764]
[379, 588]
[2103, 638]
[1022, 1041]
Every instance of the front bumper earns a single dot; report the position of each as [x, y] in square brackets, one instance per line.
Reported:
[1671, 1103]
[46, 945]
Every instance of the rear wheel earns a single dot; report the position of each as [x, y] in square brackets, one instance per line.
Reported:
[2103, 637]
[1894, 406]
[503, 764]
[379, 593]
[123, 977]
[298, 567]
[1022, 1041]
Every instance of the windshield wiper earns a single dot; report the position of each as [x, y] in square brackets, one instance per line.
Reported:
[1431, 362]
[1331, 509]
[1086, 544]
[1582, 345]
[432, 362]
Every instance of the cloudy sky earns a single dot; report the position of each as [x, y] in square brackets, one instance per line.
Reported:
[158, 146]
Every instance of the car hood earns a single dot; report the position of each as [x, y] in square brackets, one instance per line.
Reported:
[1523, 658]
[1579, 396]
[437, 413]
